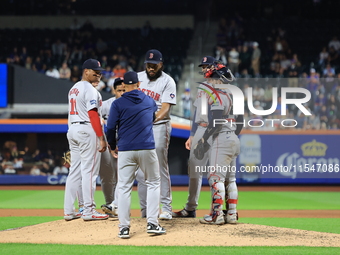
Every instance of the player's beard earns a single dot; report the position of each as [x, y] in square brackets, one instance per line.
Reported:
[156, 76]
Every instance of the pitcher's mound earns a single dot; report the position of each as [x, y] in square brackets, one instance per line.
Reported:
[180, 232]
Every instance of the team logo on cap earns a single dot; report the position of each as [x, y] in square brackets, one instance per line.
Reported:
[172, 95]
[151, 55]
[98, 63]
[205, 59]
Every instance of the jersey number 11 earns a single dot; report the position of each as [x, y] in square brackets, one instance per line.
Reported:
[73, 107]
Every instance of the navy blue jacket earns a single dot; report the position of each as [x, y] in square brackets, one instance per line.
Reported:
[133, 115]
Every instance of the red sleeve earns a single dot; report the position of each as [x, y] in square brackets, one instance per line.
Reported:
[95, 122]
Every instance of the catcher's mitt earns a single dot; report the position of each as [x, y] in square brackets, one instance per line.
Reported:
[201, 148]
[67, 158]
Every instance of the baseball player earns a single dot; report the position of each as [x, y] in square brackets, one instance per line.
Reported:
[108, 164]
[134, 114]
[162, 88]
[86, 140]
[225, 147]
[199, 126]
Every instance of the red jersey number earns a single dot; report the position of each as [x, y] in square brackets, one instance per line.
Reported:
[73, 107]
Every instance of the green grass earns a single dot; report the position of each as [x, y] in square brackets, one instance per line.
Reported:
[53, 199]
[17, 222]
[312, 224]
[248, 200]
[57, 249]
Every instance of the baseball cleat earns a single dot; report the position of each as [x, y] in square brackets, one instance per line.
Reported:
[72, 216]
[184, 214]
[95, 216]
[218, 220]
[124, 233]
[165, 216]
[110, 210]
[153, 229]
[230, 218]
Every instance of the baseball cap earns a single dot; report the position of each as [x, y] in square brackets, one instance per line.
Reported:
[255, 44]
[312, 70]
[92, 64]
[153, 57]
[208, 60]
[130, 78]
[118, 81]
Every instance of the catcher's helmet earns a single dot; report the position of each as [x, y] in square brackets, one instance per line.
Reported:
[221, 72]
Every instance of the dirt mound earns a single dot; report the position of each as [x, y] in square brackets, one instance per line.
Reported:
[180, 232]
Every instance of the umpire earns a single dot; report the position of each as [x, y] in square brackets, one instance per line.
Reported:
[134, 114]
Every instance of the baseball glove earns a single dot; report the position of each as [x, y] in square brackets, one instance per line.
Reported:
[201, 148]
[67, 158]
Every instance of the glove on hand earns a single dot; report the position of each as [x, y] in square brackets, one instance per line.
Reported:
[201, 148]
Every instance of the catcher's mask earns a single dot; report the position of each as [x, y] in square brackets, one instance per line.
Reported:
[220, 71]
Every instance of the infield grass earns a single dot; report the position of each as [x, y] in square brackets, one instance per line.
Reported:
[254, 200]
[33, 249]
[248, 200]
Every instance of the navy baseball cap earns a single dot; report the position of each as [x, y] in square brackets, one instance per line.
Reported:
[118, 81]
[153, 57]
[208, 60]
[130, 78]
[92, 64]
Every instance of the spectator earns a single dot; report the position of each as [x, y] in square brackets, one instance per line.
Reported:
[278, 45]
[76, 56]
[35, 170]
[53, 72]
[258, 93]
[60, 170]
[323, 57]
[9, 168]
[313, 122]
[255, 59]
[75, 74]
[233, 61]
[221, 54]
[106, 75]
[65, 72]
[46, 169]
[37, 157]
[29, 63]
[293, 76]
[18, 164]
[333, 56]
[328, 71]
[335, 43]
[58, 50]
[323, 115]
[186, 99]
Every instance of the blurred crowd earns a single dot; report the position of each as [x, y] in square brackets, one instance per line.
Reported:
[14, 161]
[283, 68]
[63, 56]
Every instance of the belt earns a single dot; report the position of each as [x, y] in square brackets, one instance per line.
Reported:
[80, 122]
[203, 124]
[231, 120]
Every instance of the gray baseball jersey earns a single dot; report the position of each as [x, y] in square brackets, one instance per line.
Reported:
[108, 165]
[162, 90]
[224, 150]
[84, 146]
